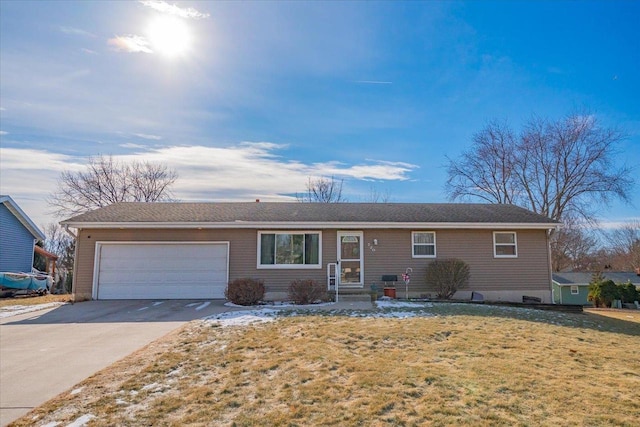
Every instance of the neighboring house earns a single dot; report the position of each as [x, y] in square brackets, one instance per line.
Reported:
[18, 235]
[573, 287]
[192, 250]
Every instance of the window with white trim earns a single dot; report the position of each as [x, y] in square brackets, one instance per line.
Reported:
[505, 244]
[423, 244]
[574, 290]
[284, 249]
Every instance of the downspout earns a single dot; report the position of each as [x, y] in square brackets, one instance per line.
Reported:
[550, 233]
[75, 261]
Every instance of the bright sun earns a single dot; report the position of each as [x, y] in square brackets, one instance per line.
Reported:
[169, 36]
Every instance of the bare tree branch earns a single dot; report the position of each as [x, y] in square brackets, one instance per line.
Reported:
[377, 196]
[560, 169]
[106, 181]
[322, 190]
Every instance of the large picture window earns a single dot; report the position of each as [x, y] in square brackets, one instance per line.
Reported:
[423, 244]
[289, 249]
[505, 244]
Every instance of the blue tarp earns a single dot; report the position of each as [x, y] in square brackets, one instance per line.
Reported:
[23, 281]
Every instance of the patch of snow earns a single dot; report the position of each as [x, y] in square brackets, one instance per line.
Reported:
[243, 318]
[142, 308]
[51, 424]
[192, 304]
[157, 303]
[76, 391]
[203, 305]
[279, 304]
[152, 387]
[14, 310]
[402, 304]
[82, 421]
[174, 372]
[121, 402]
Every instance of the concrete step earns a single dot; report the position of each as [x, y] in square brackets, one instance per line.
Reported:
[354, 297]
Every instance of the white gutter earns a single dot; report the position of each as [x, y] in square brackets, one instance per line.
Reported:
[288, 225]
[66, 228]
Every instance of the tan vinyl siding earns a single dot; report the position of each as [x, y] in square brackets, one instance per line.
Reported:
[242, 254]
[392, 255]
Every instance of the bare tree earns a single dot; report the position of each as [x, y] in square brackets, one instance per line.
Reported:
[562, 168]
[625, 242]
[377, 196]
[60, 243]
[487, 171]
[572, 248]
[106, 181]
[322, 190]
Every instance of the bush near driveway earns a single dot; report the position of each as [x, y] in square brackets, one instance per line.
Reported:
[245, 291]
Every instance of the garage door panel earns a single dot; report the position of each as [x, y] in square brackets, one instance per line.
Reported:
[162, 271]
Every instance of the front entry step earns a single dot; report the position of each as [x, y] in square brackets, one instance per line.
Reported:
[354, 297]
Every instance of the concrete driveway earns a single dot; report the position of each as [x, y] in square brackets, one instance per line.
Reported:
[46, 352]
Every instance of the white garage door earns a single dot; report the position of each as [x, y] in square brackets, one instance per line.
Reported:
[161, 270]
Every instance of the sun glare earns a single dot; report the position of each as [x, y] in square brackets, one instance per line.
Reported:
[169, 36]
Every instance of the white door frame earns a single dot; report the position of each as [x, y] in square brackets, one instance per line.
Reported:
[360, 236]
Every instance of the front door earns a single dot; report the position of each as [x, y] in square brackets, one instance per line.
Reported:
[350, 258]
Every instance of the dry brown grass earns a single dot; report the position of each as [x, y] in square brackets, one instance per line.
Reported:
[465, 366]
[4, 302]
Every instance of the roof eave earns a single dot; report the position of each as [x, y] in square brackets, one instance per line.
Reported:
[313, 225]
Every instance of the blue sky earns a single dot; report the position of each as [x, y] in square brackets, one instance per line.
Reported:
[255, 97]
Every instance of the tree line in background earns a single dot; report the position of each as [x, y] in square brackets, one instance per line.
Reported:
[563, 169]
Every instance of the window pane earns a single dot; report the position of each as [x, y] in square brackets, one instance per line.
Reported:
[505, 250]
[311, 249]
[350, 272]
[424, 250]
[423, 238]
[289, 248]
[350, 247]
[505, 238]
[267, 246]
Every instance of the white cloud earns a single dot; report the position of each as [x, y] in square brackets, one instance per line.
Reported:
[89, 51]
[131, 145]
[76, 32]
[131, 43]
[148, 136]
[2, 132]
[242, 172]
[172, 9]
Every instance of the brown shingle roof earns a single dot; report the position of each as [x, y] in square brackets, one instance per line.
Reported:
[309, 213]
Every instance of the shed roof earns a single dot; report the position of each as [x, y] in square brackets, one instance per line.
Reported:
[13, 207]
[136, 214]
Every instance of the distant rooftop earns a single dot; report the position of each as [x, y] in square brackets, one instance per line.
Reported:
[583, 278]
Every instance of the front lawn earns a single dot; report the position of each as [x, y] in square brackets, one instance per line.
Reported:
[439, 364]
